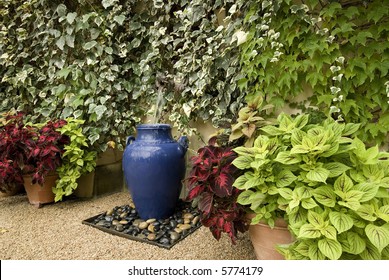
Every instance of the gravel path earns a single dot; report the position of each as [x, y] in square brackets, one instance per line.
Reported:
[55, 232]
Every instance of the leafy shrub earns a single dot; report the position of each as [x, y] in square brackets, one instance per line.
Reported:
[324, 182]
[76, 160]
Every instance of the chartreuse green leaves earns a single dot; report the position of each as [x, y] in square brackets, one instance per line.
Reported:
[341, 221]
[352, 243]
[330, 248]
[378, 235]
[330, 188]
[77, 159]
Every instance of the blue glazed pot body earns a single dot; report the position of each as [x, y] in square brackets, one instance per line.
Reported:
[154, 166]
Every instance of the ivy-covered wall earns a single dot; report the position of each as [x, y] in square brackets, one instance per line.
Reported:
[107, 61]
[339, 50]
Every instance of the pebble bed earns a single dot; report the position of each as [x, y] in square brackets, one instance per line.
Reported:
[125, 221]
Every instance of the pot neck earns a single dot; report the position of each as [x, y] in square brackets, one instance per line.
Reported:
[154, 132]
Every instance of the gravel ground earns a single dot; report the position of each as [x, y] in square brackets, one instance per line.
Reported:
[56, 232]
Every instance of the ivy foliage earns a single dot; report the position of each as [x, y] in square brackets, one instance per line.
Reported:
[107, 61]
[69, 58]
[338, 49]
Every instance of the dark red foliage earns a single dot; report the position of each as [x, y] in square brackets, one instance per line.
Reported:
[210, 180]
[28, 149]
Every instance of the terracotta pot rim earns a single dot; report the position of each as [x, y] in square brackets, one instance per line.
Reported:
[279, 223]
[278, 227]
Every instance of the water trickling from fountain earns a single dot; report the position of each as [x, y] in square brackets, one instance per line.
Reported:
[160, 102]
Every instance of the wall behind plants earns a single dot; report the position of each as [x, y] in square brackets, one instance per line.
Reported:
[106, 61]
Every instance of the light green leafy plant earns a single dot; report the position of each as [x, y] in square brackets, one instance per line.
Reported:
[332, 191]
[76, 160]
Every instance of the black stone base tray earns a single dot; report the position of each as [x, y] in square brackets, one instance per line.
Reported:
[124, 221]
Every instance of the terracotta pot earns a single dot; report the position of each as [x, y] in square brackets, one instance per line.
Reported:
[39, 195]
[265, 239]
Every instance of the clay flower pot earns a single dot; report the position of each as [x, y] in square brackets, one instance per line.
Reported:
[265, 239]
[37, 194]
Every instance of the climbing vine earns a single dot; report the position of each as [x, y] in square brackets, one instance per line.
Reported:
[107, 61]
[337, 49]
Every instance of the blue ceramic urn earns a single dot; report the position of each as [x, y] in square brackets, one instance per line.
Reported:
[154, 167]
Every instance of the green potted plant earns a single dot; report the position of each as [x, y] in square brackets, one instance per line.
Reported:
[78, 162]
[329, 188]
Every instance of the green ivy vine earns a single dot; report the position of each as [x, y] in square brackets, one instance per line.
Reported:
[107, 61]
[338, 49]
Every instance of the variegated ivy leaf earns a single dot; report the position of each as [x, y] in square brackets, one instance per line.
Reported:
[240, 36]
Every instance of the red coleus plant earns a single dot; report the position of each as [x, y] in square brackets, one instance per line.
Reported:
[29, 149]
[210, 180]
